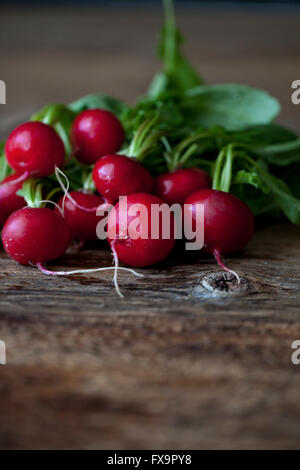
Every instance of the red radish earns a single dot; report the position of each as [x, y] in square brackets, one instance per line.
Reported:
[138, 252]
[9, 200]
[118, 175]
[175, 187]
[35, 235]
[82, 222]
[95, 133]
[228, 222]
[35, 148]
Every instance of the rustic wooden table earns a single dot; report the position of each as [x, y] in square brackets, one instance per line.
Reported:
[186, 360]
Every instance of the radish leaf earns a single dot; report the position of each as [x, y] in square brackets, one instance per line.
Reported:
[93, 101]
[229, 105]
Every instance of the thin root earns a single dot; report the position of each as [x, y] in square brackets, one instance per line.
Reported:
[220, 262]
[93, 270]
[116, 267]
[65, 189]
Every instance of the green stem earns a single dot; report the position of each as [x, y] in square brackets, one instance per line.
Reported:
[227, 170]
[52, 193]
[166, 144]
[64, 137]
[144, 140]
[187, 154]
[217, 169]
[32, 192]
[88, 182]
[136, 139]
[257, 166]
[223, 170]
[203, 162]
[170, 45]
[5, 169]
[184, 150]
[49, 118]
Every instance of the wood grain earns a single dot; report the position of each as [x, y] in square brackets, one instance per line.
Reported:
[188, 359]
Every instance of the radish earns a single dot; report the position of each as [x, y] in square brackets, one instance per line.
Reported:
[80, 214]
[35, 235]
[175, 187]
[139, 251]
[118, 175]
[9, 199]
[228, 222]
[95, 133]
[34, 149]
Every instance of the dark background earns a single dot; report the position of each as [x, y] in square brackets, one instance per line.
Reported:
[58, 51]
[143, 2]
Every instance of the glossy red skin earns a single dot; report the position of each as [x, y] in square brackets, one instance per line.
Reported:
[139, 252]
[228, 221]
[34, 147]
[35, 235]
[95, 133]
[118, 175]
[9, 200]
[175, 187]
[82, 224]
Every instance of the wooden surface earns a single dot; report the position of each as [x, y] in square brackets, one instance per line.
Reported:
[187, 359]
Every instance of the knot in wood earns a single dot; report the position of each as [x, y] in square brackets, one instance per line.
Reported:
[224, 284]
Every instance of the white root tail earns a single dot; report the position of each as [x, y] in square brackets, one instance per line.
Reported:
[93, 270]
[65, 189]
[220, 262]
[116, 267]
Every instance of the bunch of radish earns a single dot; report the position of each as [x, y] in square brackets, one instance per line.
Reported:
[184, 143]
[40, 230]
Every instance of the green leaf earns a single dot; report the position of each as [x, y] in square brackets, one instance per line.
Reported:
[291, 177]
[53, 113]
[158, 86]
[282, 195]
[262, 135]
[60, 118]
[281, 154]
[288, 203]
[229, 105]
[179, 75]
[251, 178]
[100, 101]
[170, 120]
[259, 202]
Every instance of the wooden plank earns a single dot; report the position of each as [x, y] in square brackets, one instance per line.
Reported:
[187, 359]
[179, 286]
